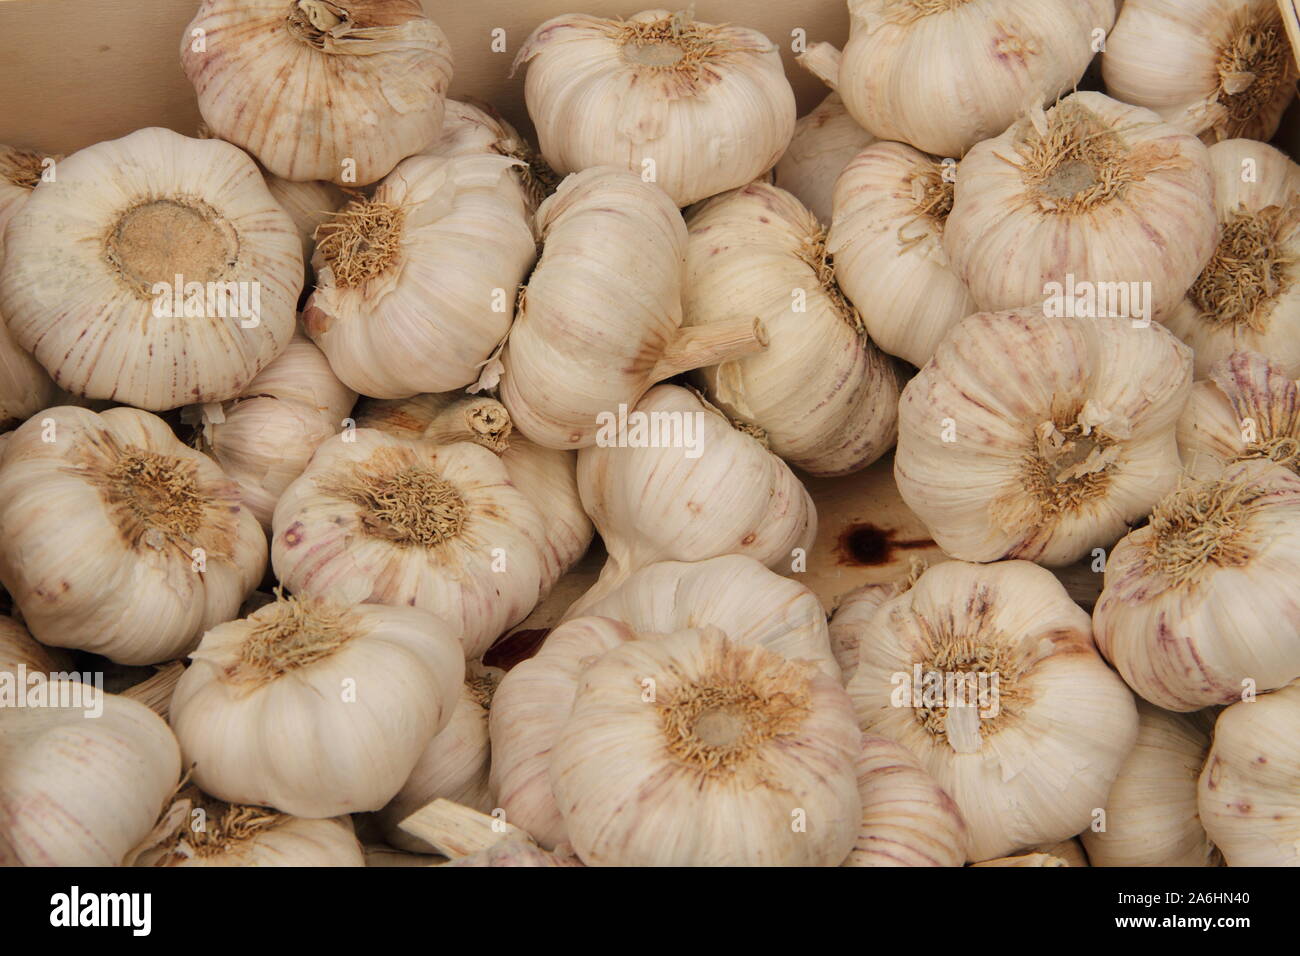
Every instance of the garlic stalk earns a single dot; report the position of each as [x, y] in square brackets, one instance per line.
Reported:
[824, 142]
[1070, 852]
[473, 128]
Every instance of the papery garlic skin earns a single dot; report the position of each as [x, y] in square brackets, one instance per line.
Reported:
[255, 836]
[1048, 459]
[474, 128]
[89, 284]
[315, 709]
[1217, 68]
[701, 108]
[1024, 726]
[891, 204]
[416, 285]
[336, 91]
[1200, 605]
[715, 491]
[824, 142]
[1247, 792]
[1092, 191]
[907, 818]
[383, 520]
[822, 392]
[81, 790]
[1151, 814]
[735, 743]
[1247, 296]
[944, 76]
[117, 539]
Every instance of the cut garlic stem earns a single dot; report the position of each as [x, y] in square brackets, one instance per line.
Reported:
[700, 345]
[455, 830]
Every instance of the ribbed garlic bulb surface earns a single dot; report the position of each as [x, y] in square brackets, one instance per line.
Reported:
[18, 647]
[316, 709]
[848, 620]
[155, 270]
[1094, 196]
[988, 674]
[81, 783]
[824, 142]
[1200, 605]
[693, 107]
[1044, 459]
[417, 284]
[475, 128]
[1216, 68]
[309, 204]
[822, 393]
[164, 548]
[1247, 297]
[340, 91]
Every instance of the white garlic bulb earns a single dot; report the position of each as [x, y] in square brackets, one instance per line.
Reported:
[1151, 817]
[1247, 792]
[694, 750]
[339, 90]
[416, 284]
[1216, 68]
[714, 490]
[264, 438]
[891, 204]
[1027, 859]
[516, 853]
[852, 612]
[988, 674]
[81, 783]
[697, 108]
[1092, 198]
[163, 550]
[824, 142]
[822, 392]
[907, 818]
[942, 76]
[1200, 605]
[474, 128]
[385, 520]
[315, 709]
[155, 270]
[17, 647]
[1070, 852]
[1246, 297]
[309, 204]
[1044, 460]
[599, 321]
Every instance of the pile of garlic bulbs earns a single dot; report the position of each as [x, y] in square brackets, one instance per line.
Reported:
[331, 409]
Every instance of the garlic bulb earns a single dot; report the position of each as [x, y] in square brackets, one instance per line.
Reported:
[155, 270]
[942, 75]
[163, 549]
[1027, 859]
[81, 781]
[339, 90]
[384, 520]
[473, 128]
[706, 489]
[1249, 408]
[854, 609]
[824, 142]
[823, 393]
[1247, 792]
[1094, 204]
[907, 819]
[309, 205]
[18, 648]
[1070, 852]
[1200, 605]
[988, 674]
[692, 107]
[1216, 68]
[890, 207]
[1246, 297]
[599, 320]
[1047, 459]
[264, 438]
[515, 853]
[455, 763]
[1151, 817]
[417, 284]
[21, 171]
[315, 709]
[694, 750]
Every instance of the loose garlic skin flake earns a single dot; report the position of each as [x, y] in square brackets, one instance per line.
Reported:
[1247, 792]
[1091, 191]
[1043, 460]
[701, 108]
[117, 539]
[1027, 758]
[825, 141]
[1247, 296]
[337, 91]
[1200, 606]
[314, 709]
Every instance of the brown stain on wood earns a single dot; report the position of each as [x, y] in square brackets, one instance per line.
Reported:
[866, 545]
